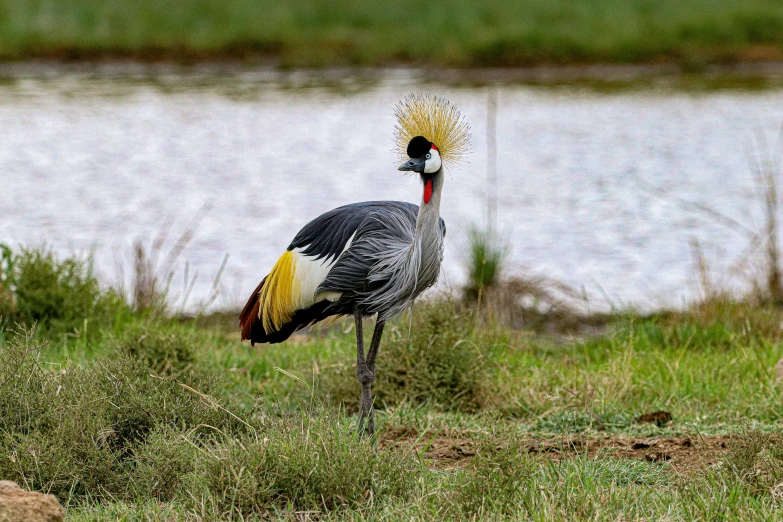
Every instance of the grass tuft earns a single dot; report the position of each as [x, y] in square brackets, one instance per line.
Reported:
[485, 262]
[444, 362]
[756, 460]
[720, 321]
[166, 348]
[73, 432]
[313, 464]
[494, 482]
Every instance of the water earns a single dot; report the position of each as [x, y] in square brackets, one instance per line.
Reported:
[592, 186]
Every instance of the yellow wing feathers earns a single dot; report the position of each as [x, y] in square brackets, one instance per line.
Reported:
[277, 303]
[291, 286]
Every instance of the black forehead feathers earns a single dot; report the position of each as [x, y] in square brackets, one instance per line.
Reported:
[418, 147]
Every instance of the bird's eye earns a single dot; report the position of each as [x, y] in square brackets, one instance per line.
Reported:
[429, 155]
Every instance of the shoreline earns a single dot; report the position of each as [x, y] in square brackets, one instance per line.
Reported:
[753, 73]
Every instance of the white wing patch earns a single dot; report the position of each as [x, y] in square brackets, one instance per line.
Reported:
[310, 273]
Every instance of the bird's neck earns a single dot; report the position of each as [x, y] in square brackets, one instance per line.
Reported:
[429, 209]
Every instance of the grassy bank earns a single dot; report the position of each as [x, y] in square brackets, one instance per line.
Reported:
[131, 414]
[337, 32]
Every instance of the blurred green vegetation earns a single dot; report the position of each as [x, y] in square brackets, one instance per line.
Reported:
[154, 416]
[460, 33]
[59, 297]
[485, 263]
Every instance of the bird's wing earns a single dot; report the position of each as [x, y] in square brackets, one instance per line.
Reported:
[317, 247]
[321, 272]
[387, 228]
[326, 236]
[303, 271]
[286, 299]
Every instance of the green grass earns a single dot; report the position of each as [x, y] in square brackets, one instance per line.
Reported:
[459, 33]
[158, 418]
[58, 296]
[485, 263]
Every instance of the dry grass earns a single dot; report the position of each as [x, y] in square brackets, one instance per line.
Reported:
[540, 305]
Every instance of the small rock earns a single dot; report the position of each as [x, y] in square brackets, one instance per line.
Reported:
[779, 373]
[18, 505]
[659, 418]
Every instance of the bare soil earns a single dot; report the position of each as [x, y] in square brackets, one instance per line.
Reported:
[684, 454]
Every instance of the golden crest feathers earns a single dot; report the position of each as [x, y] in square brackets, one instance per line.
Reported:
[437, 120]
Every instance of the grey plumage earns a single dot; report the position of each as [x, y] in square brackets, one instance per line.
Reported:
[389, 262]
[327, 235]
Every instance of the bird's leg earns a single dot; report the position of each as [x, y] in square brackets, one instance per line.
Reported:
[375, 344]
[371, 355]
[364, 374]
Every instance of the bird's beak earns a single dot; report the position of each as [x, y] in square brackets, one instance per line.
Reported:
[413, 164]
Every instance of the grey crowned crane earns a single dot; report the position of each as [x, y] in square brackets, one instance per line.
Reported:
[371, 258]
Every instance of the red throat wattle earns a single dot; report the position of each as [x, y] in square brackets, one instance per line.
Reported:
[427, 191]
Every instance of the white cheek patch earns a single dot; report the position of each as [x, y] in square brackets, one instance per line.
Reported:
[432, 165]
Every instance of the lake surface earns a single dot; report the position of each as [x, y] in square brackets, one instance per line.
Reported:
[594, 189]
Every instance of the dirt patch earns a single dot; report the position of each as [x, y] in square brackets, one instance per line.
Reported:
[444, 448]
[659, 418]
[684, 454]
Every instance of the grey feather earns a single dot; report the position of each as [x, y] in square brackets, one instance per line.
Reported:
[395, 255]
[327, 235]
